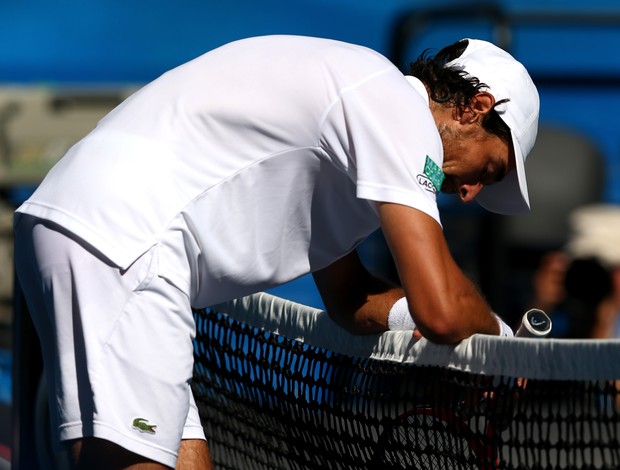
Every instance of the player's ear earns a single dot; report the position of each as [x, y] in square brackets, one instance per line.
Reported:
[480, 105]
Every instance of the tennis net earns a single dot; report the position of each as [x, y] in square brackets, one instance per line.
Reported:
[280, 386]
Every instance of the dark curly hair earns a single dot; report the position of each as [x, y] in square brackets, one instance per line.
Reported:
[449, 85]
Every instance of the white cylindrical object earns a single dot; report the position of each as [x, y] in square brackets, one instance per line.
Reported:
[534, 324]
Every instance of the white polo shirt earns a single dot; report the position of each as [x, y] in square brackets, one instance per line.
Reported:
[268, 152]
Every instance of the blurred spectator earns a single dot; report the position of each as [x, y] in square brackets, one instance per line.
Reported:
[580, 287]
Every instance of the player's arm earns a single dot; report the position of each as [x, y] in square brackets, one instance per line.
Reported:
[444, 303]
[353, 297]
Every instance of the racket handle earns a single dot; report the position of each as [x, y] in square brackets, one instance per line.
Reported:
[534, 324]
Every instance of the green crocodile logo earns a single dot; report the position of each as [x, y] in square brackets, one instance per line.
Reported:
[142, 425]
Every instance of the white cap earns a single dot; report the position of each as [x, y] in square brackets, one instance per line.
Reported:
[506, 78]
[596, 233]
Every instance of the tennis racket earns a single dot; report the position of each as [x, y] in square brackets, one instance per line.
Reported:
[465, 435]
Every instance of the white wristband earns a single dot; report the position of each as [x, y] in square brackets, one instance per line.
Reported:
[399, 317]
[504, 329]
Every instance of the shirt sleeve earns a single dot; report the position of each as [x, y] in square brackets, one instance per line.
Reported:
[389, 142]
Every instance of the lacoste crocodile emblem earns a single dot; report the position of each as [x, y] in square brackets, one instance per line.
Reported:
[142, 425]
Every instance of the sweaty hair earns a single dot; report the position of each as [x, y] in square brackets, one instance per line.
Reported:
[455, 87]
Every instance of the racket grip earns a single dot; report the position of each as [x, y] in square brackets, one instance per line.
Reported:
[534, 324]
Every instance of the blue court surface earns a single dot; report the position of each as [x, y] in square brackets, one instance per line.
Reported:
[301, 290]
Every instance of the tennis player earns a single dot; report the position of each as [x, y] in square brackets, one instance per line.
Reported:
[250, 166]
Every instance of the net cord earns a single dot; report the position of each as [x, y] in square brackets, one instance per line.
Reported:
[545, 359]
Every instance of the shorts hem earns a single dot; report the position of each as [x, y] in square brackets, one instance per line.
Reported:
[103, 431]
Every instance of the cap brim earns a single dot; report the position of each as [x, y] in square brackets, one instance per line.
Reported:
[509, 196]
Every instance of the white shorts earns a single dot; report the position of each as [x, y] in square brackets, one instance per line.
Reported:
[117, 345]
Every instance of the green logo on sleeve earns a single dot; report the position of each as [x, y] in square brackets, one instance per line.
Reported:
[433, 172]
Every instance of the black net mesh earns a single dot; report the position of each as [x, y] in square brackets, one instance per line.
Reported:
[268, 402]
